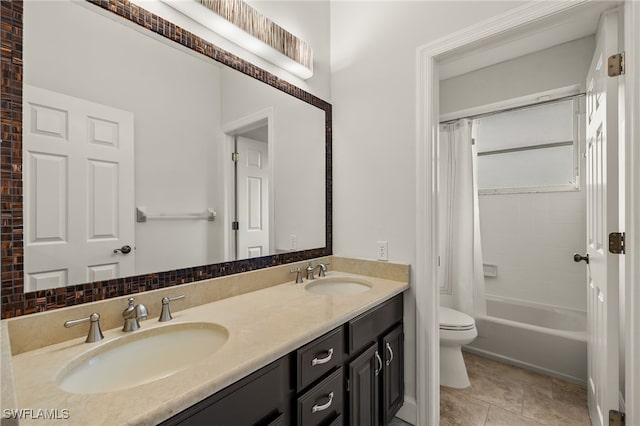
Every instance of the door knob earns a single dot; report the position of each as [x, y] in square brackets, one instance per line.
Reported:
[127, 250]
[578, 257]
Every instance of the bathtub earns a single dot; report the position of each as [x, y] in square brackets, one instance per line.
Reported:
[543, 338]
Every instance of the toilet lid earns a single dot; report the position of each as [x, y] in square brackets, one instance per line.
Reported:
[455, 320]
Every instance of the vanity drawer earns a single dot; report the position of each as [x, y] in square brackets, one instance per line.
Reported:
[319, 357]
[322, 404]
[367, 327]
[262, 398]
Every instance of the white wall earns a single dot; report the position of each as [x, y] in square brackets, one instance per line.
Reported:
[559, 66]
[373, 51]
[84, 54]
[530, 237]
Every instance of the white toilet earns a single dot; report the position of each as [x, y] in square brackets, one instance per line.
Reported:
[456, 329]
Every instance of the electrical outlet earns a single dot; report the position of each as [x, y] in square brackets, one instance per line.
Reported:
[383, 250]
[293, 242]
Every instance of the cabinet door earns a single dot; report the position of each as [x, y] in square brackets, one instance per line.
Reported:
[363, 388]
[393, 373]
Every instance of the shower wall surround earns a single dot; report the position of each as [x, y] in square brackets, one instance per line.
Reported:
[532, 238]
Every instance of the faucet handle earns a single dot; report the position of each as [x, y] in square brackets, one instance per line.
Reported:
[298, 273]
[165, 314]
[95, 334]
[130, 311]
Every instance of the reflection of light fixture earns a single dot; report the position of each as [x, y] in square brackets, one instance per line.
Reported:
[243, 25]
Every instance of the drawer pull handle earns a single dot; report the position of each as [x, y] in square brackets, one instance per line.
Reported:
[390, 353]
[379, 360]
[323, 407]
[318, 361]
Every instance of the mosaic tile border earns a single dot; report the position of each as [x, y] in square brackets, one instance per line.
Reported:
[14, 301]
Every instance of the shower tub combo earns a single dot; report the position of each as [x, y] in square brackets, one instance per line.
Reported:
[548, 339]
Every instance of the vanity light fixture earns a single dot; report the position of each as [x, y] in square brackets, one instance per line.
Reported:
[241, 24]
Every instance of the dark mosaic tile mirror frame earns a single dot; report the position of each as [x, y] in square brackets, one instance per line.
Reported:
[14, 301]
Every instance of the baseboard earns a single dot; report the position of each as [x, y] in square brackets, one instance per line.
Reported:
[409, 411]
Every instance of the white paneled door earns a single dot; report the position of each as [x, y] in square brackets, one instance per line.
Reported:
[253, 198]
[78, 190]
[602, 219]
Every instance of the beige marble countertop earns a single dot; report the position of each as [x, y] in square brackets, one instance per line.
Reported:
[263, 325]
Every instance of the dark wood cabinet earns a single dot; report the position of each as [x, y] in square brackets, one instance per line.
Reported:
[369, 326]
[262, 398]
[323, 403]
[378, 338]
[363, 388]
[317, 358]
[392, 373]
[352, 375]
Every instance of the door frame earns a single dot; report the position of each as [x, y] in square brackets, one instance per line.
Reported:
[632, 210]
[229, 130]
[427, 119]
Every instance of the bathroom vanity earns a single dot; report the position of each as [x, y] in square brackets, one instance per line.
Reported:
[284, 354]
[352, 375]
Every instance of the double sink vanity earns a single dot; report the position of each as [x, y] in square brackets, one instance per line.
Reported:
[254, 348]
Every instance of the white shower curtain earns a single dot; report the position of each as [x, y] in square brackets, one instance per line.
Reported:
[461, 269]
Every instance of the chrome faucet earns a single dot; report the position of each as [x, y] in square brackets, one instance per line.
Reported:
[323, 267]
[311, 269]
[95, 334]
[132, 315]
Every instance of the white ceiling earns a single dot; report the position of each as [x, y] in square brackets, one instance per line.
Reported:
[578, 22]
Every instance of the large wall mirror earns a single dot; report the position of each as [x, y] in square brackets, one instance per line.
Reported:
[148, 163]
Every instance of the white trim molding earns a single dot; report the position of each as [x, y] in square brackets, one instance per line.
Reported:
[227, 132]
[632, 206]
[427, 288]
[427, 118]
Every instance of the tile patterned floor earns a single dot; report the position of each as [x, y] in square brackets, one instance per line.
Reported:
[502, 395]
[398, 422]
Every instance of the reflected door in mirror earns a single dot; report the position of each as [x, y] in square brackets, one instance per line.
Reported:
[78, 164]
[252, 193]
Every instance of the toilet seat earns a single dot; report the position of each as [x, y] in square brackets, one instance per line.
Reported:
[454, 320]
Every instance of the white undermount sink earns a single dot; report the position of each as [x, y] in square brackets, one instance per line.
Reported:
[339, 285]
[141, 357]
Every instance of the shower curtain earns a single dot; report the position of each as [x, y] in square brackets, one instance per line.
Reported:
[460, 246]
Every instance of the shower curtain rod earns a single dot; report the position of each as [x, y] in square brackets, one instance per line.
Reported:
[498, 111]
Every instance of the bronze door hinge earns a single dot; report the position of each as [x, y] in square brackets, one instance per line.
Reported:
[616, 243]
[615, 65]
